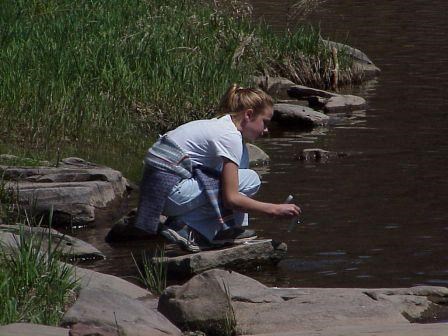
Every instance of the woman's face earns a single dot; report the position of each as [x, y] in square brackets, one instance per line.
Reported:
[256, 124]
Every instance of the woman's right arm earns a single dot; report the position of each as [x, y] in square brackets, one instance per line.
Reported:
[233, 199]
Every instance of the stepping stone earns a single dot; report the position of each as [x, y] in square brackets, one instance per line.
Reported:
[255, 252]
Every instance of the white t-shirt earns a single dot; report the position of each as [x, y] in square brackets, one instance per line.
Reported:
[208, 141]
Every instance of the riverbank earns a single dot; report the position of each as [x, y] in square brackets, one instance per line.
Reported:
[77, 75]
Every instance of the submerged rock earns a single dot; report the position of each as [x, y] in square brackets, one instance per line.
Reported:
[69, 247]
[299, 115]
[255, 252]
[72, 192]
[209, 300]
[317, 154]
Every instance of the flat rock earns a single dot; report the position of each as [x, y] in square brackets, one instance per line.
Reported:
[30, 329]
[344, 103]
[257, 309]
[254, 253]
[374, 329]
[70, 247]
[92, 279]
[276, 86]
[73, 191]
[108, 305]
[299, 115]
[117, 312]
[257, 156]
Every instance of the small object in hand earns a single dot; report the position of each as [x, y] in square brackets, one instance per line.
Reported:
[288, 199]
[295, 221]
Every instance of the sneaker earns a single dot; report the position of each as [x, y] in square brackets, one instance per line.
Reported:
[186, 238]
[234, 235]
[246, 235]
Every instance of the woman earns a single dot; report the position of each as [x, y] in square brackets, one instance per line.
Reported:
[198, 176]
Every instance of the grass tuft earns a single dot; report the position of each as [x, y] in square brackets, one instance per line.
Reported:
[35, 286]
[153, 274]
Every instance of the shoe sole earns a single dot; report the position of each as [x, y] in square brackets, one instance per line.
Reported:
[233, 241]
[174, 237]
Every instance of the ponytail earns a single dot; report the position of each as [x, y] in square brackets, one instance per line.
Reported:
[237, 99]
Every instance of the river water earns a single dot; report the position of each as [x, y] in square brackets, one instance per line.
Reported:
[376, 218]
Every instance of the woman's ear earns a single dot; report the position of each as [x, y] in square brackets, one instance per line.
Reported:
[248, 114]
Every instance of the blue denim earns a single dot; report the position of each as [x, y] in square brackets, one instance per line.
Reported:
[188, 202]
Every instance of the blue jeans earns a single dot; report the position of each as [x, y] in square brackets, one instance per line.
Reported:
[189, 203]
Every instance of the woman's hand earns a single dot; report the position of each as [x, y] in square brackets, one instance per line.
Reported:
[233, 199]
[284, 210]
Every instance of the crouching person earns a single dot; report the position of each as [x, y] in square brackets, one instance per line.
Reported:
[197, 175]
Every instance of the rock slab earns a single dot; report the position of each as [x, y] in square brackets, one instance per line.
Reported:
[237, 256]
[29, 329]
[299, 115]
[344, 103]
[108, 305]
[73, 191]
[70, 247]
[258, 309]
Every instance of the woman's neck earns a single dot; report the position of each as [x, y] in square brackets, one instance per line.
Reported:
[236, 119]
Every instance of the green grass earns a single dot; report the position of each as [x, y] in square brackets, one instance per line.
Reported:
[34, 286]
[152, 274]
[120, 72]
[12, 160]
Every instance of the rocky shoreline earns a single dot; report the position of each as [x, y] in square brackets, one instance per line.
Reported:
[222, 302]
[214, 301]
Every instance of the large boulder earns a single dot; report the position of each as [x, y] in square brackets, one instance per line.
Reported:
[68, 246]
[299, 115]
[258, 309]
[108, 305]
[73, 192]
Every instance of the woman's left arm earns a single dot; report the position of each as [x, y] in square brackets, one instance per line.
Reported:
[233, 199]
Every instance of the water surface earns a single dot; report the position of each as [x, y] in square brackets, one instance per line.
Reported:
[376, 218]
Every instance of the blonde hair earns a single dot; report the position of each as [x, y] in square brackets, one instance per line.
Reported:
[238, 99]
